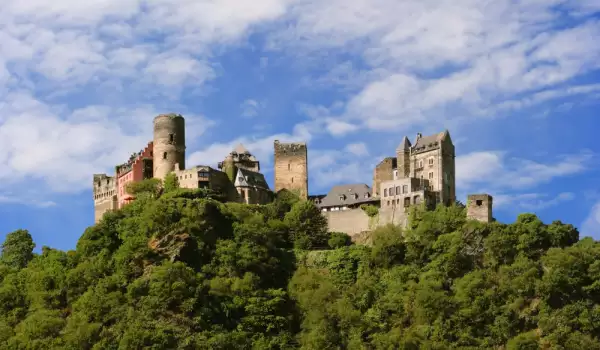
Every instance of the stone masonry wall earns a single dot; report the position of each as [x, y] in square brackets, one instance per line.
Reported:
[351, 221]
[291, 168]
[355, 222]
[384, 171]
[105, 195]
[104, 205]
[479, 207]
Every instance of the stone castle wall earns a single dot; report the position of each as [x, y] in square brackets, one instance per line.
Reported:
[291, 168]
[355, 222]
[384, 171]
[105, 195]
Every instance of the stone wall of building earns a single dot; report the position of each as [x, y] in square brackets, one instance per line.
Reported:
[384, 171]
[105, 195]
[352, 221]
[355, 222]
[479, 207]
[291, 168]
[204, 176]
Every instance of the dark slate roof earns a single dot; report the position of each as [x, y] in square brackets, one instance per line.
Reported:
[248, 178]
[345, 195]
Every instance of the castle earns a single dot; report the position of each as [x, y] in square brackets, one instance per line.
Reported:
[419, 174]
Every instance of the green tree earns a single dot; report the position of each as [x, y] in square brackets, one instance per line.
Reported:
[147, 188]
[171, 183]
[307, 223]
[17, 249]
[338, 240]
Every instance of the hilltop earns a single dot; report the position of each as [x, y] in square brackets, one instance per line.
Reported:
[183, 269]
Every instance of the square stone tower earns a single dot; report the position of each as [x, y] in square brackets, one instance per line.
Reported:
[432, 158]
[479, 207]
[291, 168]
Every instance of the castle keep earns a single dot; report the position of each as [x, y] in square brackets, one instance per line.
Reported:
[422, 173]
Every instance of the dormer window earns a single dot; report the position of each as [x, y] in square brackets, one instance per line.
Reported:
[342, 197]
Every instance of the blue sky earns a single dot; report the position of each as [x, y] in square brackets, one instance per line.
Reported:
[516, 83]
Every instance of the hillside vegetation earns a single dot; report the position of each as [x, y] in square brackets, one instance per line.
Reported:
[182, 270]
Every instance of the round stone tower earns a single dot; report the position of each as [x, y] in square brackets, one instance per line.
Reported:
[169, 144]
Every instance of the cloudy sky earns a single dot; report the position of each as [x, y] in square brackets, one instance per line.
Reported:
[517, 83]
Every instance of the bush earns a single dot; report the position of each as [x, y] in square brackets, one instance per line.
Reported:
[338, 240]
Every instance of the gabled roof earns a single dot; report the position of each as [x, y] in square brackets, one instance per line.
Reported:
[248, 178]
[351, 194]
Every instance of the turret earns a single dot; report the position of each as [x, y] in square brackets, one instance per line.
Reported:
[169, 144]
[403, 158]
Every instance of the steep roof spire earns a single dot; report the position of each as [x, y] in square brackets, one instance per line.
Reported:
[404, 145]
[240, 149]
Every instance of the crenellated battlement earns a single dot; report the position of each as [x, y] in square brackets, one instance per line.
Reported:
[290, 149]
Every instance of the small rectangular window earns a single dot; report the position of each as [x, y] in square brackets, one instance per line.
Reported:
[431, 175]
[165, 155]
[385, 192]
[171, 137]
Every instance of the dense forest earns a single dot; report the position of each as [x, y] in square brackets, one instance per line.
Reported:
[180, 269]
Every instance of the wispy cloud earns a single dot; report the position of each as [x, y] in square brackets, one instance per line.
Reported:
[249, 108]
[591, 225]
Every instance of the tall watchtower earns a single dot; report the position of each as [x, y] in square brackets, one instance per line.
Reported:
[105, 195]
[479, 207]
[169, 144]
[291, 168]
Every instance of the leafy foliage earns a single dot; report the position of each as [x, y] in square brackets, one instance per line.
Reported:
[370, 210]
[182, 270]
[171, 183]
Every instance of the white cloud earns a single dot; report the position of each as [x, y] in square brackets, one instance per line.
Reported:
[496, 170]
[63, 152]
[591, 225]
[531, 201]
[443, 57]
[511, 180]
[359, 149]
[25, 201]
[249, 108]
